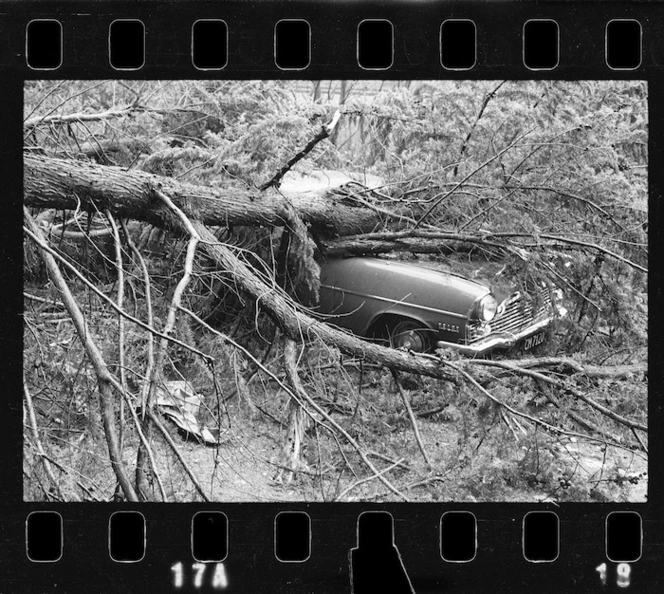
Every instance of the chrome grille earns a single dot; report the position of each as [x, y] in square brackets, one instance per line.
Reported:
[515, 314]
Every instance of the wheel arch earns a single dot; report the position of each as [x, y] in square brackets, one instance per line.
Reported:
[383, 319]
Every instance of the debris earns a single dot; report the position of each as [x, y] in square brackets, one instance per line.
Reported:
[181, 404]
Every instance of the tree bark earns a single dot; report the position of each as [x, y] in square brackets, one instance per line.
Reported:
[68, 184]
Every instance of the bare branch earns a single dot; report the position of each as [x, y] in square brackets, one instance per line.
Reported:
[289, 358]
[38, 444]
[322, 135]
[567, 363]
[179, 456]
[565, 387]
[523, 415]
[107, 299]
[471, 174]
[487, 98]
[79, 117]
[121, 330]
[411, 416]
[357, 483]
[562, 239]
[94, 354]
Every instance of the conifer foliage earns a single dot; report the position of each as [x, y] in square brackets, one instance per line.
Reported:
[174, 231]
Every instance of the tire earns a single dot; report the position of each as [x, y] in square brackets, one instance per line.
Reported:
[410, 335]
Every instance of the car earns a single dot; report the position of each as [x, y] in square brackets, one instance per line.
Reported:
[419, 308]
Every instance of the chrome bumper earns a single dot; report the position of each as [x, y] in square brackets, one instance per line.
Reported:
[499, 340]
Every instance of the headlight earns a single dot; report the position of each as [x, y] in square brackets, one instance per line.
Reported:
[486, 309]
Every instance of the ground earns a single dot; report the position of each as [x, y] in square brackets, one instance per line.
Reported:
[474, 457]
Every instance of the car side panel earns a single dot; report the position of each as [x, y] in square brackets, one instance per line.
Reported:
[357, 291]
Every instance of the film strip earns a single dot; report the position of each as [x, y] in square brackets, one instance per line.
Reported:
[388, 521]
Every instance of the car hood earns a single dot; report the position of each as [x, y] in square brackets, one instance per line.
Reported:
[484, 273]
[476, 287]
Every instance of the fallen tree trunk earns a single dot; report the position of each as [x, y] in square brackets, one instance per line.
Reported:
[56, 183]
[68, 184]
[144, 197]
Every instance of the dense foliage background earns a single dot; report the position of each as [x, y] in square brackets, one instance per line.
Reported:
[560, 165]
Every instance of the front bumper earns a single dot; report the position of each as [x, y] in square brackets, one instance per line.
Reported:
[502, 340]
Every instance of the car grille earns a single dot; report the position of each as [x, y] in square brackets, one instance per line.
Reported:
[517, 313]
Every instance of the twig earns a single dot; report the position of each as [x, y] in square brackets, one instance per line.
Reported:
[518, 413]
[41, 299]
[41, 243]
[148, 305]
[577, 417]
[485, 102]
[323, 134]
[45, 97]
[638, 438]
[411, 416]
[600, 371]
[79, 117]
[592, 246]
[290, 347]
[59, 105]
[94, 354]
[560, 384]
[487, 209]
[473, 172]
[505, 418]
[177, 452]
[85, 234]
[121, 328]
[367, 479]
[169, 326]
[35, 435]
[387, 459]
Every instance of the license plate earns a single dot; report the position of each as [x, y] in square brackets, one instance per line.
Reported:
[534, 340]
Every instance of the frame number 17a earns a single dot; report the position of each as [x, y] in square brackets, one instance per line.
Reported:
[212, 574]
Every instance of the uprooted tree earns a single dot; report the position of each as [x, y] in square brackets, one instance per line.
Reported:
[546, 178]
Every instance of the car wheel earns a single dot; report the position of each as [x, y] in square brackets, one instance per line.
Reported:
[408, 334]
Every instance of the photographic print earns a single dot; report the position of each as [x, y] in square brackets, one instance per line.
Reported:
[335, 291]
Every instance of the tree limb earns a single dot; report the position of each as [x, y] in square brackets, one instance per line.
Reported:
[322, 135]
[289, 359]
[569, 364]
[66, 184]
[565, 387]
[411, 416]
[38, 444]
[79, 117]
[98, 363]
[107, 299]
